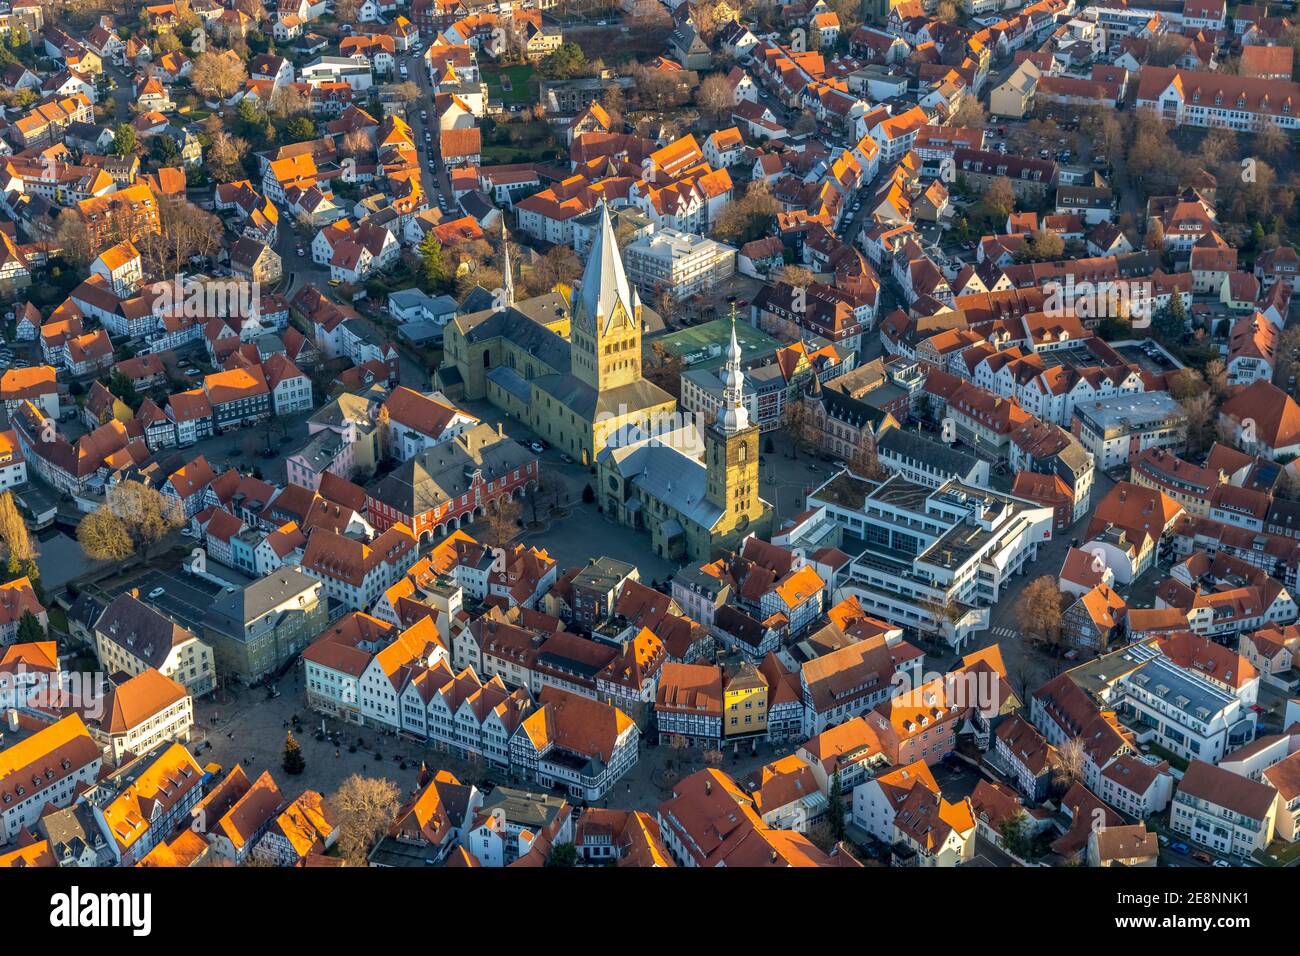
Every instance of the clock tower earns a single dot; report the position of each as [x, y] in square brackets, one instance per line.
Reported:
[731, 458]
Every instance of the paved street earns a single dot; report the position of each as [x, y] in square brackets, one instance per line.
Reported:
[1004, 630]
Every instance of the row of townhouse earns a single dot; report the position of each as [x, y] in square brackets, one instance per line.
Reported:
[369, 672]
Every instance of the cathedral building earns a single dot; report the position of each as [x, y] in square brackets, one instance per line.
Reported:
[573, 375]
[695, 503]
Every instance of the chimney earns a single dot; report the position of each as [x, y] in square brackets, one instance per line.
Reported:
[708, 785]
[500, 433]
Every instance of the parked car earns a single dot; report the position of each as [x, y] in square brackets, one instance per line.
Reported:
[1180, 848]
[1200, 856]
[157, 592]
[1222, 863]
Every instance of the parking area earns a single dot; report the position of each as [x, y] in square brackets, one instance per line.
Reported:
[956, 778]
[986, 854]
[183, 596]
[1149, 360]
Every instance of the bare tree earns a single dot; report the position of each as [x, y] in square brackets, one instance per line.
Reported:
[970, 113]
[714, 97]
[664, 369]
[1000, 196]
[103, 537]
[72, 238]
[287, 102]
[800, 423]
[560, 264]
[543, 497]
[225, 156]
[186, 231]
[1071, 763]
[1038, 611]
[365, 807]
[217, 75]
[864, 462]
[148, 515]
[502, 523]
[14, 538]
[797, 276]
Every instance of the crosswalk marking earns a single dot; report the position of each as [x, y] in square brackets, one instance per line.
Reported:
[1004, 632]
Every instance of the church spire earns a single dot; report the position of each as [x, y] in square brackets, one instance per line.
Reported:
[604, 283]
[507, 274]
[734, 417]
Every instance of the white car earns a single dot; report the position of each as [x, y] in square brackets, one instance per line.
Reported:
[157, 592]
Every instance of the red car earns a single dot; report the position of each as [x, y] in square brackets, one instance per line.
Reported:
[1200, 856]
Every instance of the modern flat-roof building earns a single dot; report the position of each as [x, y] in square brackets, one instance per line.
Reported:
[678, 263]
[1178, 709]
[1117, 429]
[931, 560]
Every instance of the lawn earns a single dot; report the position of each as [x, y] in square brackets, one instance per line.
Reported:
[519, 142]
[519, 79]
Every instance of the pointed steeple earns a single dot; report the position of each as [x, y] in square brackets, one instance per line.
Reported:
[604, 283]
[507, 274]
[734, 416]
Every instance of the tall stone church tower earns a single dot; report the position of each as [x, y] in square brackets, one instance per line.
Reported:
[731, 458]
[605, 339]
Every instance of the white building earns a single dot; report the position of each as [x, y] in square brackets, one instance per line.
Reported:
[1231, 815]
[144, 711]
[1177, 708]
[47, 768]
[919, 548]
[574, 742]
[1116, 429]
[678, 263]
